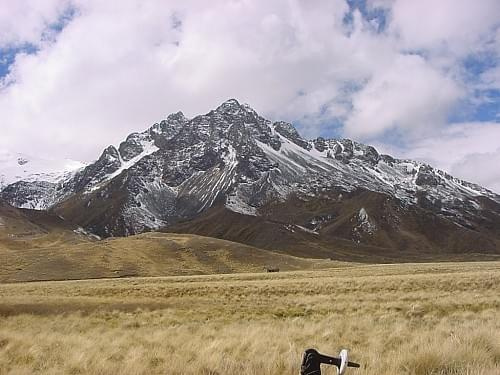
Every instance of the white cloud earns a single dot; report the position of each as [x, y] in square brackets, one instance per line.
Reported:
[482, 168]
[452, 26]
[26, 21]
[118, 67]
[470, 151]
[409, 96]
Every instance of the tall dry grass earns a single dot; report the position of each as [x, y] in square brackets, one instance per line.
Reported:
[401, 319]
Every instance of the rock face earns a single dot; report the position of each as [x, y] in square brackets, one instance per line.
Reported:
[36, 195]
[180, 170]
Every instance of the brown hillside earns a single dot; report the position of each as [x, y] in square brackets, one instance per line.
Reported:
[35, 245]
[329, 227]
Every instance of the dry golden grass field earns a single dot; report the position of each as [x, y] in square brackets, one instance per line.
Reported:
[441, 318]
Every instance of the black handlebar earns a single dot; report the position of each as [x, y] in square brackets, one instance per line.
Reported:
[312, 360]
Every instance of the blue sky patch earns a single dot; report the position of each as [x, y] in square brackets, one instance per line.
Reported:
[64, 19]
[8, 53]
[376, 16]
[8, 56]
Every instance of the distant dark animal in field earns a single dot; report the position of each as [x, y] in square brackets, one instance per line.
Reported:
[272, 269]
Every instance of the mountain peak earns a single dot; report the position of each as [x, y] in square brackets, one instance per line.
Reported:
[231, 102]
[231, 106]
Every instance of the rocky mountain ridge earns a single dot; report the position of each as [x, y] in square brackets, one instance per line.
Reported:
[180, 169]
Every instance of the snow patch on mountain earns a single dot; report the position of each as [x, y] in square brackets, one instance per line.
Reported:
[148, 148]
[307, 230]
[86, 233]
[236, 202]
[21, 167]
[364, 225]
[152, 204]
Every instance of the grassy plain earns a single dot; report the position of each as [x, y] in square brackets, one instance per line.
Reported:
[441, 318]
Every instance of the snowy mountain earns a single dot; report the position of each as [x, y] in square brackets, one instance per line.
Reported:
[180, 170]
[35, 174]
[17, 166]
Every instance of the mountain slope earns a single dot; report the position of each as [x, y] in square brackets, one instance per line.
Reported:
[363, 226]
[231, 160]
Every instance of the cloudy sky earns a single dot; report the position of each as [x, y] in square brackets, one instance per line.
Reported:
[418, 79]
